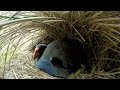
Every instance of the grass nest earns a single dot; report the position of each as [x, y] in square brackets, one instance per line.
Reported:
[98, 32]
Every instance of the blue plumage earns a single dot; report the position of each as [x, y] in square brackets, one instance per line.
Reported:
[60, 58]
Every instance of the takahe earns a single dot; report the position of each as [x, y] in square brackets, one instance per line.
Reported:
[59, 58]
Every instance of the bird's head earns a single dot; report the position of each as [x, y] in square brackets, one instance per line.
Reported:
[39, 49]
[36, 53]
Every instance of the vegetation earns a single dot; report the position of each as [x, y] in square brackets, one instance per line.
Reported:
[97, 31]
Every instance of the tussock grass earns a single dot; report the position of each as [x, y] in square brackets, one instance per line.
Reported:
[98, 32]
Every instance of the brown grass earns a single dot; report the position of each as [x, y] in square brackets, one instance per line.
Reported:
[96, 30]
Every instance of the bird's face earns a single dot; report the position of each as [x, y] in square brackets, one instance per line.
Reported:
[39, 49]
[36, 53]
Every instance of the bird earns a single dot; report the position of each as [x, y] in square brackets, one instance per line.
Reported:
[59, 58]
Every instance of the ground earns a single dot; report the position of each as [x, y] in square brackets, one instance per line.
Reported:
[23, 68]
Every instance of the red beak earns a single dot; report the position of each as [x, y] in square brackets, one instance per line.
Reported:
[36, 53]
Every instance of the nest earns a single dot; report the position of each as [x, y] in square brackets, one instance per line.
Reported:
[99, 31]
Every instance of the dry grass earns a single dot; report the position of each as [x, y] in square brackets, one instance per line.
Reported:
[23, 68]
[99, 31]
